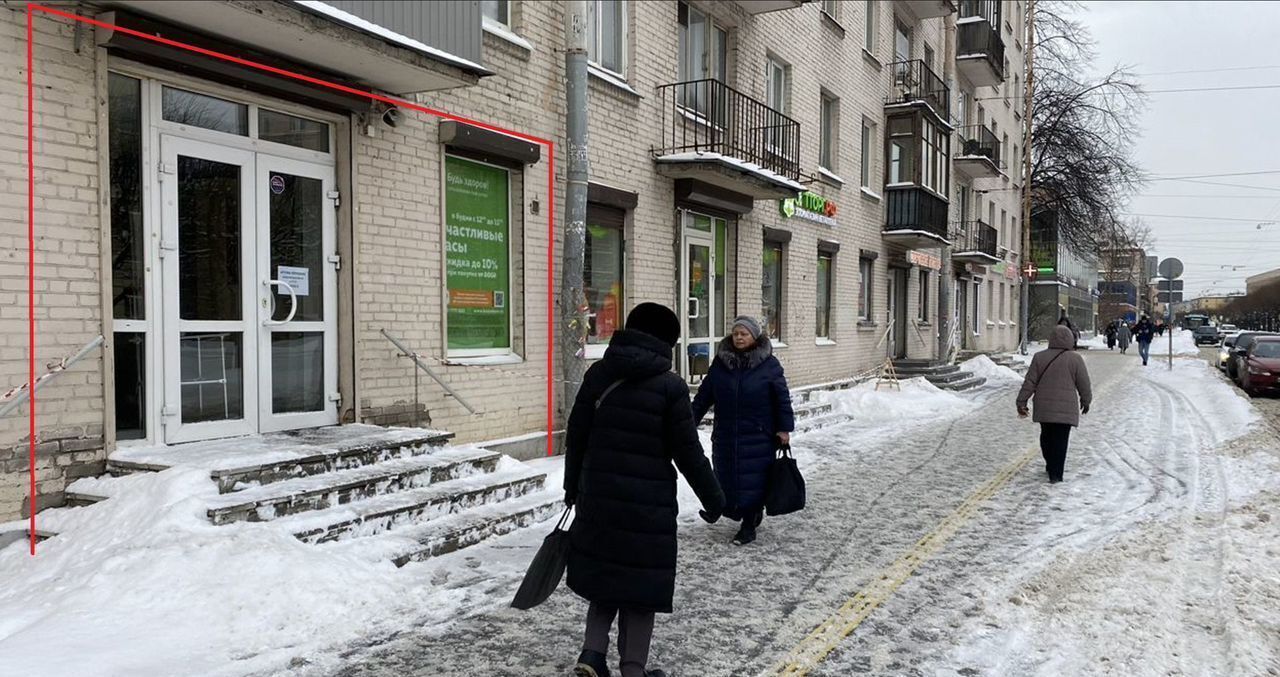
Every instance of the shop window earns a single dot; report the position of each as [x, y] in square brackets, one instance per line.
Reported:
[130, 351]
[825, 266]
[292, 130]
[607, 34]
[478, 257]
[204, 111]
[124, 114]
[923, 312]
[603, 272]
[771, 289]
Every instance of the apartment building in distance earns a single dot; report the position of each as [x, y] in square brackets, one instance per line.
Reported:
[246, 242]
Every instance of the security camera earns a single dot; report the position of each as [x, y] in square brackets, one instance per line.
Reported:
[391, 116]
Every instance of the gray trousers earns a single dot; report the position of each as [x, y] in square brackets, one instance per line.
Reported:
[635, 631]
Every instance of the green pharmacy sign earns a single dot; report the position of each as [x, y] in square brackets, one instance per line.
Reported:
[811, 207]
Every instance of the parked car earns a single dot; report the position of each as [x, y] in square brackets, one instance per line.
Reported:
[1239, 350]
[1224, 349]
[1205, 335]
[1261, 372]
[1227, 329]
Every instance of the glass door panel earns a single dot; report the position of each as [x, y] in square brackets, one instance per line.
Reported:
[298, 282]
[206, 248]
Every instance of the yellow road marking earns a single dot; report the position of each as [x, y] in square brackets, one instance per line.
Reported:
[819, 644]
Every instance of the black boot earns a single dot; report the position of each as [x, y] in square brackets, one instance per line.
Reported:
[747, 533]
[591, 664]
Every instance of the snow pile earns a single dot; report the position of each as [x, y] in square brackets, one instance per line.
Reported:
[143, 583]
[917, 400]
[1095, 342]
[1184, 345]
[994, 373]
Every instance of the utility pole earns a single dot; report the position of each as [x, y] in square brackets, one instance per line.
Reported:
[1030, 29]
[573, 302]
[945, 275]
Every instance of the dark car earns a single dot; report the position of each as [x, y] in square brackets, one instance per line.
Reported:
[1240, 350]
[1205, 335]
[1261, 370]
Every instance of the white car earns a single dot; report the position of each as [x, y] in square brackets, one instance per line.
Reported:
[1224, 348]
[1225, 329]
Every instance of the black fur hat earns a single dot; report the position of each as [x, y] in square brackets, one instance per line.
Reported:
[655, 320]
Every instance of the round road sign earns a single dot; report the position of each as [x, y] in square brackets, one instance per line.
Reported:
[1171, 269]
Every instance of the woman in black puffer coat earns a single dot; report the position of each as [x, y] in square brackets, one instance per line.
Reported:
[748, 389]
[630, 421]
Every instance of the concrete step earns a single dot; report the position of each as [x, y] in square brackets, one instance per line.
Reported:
[819, 422]
[290, 455]
[801, 412]
[371, 516]
[964, 384]
[326, 490]
[921, 369]
[76, 499]
[946, 377]
[418, 542]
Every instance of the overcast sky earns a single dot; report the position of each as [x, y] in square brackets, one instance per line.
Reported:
[1197, 133]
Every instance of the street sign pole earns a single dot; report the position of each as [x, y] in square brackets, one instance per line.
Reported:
[1170, 269]
[1168, 327]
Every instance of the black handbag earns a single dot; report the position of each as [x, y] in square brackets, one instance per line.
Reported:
[784, 492]
[546, 569]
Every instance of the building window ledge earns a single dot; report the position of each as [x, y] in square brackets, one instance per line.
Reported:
[823, 341]
[505, 33]
[867, 325]
[828, 176]
[871, 59]
[484, 361]
[869, 194]
[833, 23]
[611, 78]
[777, 343]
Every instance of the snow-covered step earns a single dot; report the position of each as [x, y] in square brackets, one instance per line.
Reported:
[380, 513]
[326, 490]
[817, 422]
[276, 457]
[77, 499]
[417, 542]
[965, 384]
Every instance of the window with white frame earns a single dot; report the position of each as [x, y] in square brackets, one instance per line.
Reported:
[1000, 309]
[830, 130]
[977, 309]
[777, 83]
[991, 302]
[866, 268]
[1004, 228]
[1004, 152]
[704, 55]
[868, 143]
[832, 9]
[498, 11]
[901, 143]
[771, 288]
[607, 35]
[871, 30]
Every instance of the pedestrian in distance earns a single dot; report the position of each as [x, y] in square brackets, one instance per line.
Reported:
[1057, 385]
[1145, 332]
[1124, 335]
[1065, 321]
[630, 421]
[748, 390]
[1111, 336]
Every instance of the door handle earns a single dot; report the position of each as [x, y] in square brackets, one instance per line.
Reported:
[697, 308]
[293, 302]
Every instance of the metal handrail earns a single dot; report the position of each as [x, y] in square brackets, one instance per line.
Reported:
[17, 395]
[417, 360]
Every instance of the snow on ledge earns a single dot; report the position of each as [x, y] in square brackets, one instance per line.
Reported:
[743, 165]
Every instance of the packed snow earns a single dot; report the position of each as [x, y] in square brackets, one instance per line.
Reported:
[984, 367]
[1184, 344]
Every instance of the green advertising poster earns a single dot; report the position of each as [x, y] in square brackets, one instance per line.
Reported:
[477, 255]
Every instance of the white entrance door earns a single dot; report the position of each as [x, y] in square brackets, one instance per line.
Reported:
[249, 306]
[699, 287]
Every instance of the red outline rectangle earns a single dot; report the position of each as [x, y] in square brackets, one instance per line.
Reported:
[32, 8]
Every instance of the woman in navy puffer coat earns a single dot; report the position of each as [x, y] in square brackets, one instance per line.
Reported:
[748, 390]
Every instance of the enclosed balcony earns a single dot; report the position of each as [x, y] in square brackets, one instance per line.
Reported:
[928, 9]
[915, 85]
[975, 242]
[717, 135]
[915, 217]
[979, 154]
[979, 48]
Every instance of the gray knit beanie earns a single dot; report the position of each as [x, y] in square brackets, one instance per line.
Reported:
[750, 324]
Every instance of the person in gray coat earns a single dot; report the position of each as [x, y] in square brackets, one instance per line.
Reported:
[1123, 335]
[1058, 381]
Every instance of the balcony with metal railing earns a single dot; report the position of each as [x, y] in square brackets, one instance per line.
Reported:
[975, 242]
[713, 133]
[979, 47]
[978, 156]
[916, 85]
[915, 217]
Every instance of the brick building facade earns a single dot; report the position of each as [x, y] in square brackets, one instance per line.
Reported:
[183, 204]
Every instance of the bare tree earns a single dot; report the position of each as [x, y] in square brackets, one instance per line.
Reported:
[1082, 135]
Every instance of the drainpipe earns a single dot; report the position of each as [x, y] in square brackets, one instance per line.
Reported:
[945, 276]
[573, 305]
